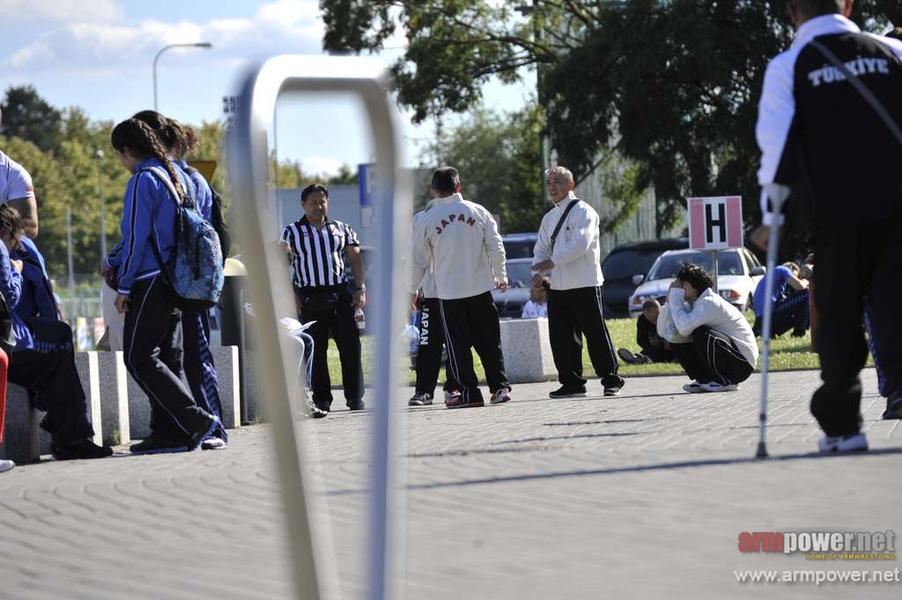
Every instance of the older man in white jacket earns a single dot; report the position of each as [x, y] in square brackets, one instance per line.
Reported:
[459, 240]
[710, 338]
[567, 246]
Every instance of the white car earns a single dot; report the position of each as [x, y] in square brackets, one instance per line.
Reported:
[739, 272]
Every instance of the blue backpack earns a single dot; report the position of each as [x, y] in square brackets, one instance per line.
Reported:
[194, 273]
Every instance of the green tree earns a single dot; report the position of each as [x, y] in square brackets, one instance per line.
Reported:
[671, 85]
[28, 116]
[498, 160]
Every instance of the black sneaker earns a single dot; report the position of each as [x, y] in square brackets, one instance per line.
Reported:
[630, 358]
[315, 412]
[158, 444]
[80, 449]
[893, 407]
[420, 399]
[568, 392]
[196, 438]
[359, 405]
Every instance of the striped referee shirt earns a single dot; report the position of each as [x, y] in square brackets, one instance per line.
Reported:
[318, 255]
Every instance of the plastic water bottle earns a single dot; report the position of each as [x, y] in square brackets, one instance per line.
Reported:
[360, 319]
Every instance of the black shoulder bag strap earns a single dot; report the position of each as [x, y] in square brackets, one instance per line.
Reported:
[560, 223]
[862, 89]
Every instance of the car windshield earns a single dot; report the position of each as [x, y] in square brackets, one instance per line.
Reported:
[518, 248]
[518, 274]
[668, 265]
[625, 264]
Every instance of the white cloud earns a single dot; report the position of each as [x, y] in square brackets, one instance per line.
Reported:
[64, 11]
[103, 48]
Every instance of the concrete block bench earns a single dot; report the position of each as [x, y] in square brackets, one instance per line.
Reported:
[527, 350]
[118, 408]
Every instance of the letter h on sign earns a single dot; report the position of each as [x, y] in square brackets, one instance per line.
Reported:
[715, 223]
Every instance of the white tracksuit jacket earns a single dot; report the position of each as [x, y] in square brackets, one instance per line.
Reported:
[576, 252]
[459, 241]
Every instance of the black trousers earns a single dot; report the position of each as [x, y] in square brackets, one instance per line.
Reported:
[571, 315]
[658, 355]
[473, 323]
[337, 321]
[712, 356]
[148, 336]
[789, 313]
[52, 375]
[429, 352]
[855, 263]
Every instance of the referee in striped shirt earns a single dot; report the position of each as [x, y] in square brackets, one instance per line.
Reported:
[321, 249]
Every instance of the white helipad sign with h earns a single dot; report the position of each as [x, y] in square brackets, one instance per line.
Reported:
[715, 223]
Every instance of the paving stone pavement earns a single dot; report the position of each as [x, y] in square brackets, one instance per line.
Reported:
[638, 496]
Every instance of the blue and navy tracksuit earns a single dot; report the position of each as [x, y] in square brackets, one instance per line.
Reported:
[198, 359]
[148, 217]
[37, 293]
[43, 362]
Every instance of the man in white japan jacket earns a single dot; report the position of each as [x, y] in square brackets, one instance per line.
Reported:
[829, 124]
[459, 241]
[567, 246]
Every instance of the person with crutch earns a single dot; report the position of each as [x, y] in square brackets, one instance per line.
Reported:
[829, 119]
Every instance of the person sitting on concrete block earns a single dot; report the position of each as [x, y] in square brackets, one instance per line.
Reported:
[43, 360]
[710, 338]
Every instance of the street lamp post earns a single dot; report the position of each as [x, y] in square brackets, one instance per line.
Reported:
[164, 49]
[98, 155]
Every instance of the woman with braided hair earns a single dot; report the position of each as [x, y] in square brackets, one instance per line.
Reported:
[148, 239]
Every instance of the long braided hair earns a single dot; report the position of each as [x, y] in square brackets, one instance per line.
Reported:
[142, 143]
[177, 138]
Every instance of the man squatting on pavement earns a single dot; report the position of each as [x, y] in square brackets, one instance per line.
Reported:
[834, 132]
[568, 247]
[458, 240]
[710, 338]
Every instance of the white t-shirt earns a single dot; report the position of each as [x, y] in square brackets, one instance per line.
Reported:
[534, 310]
[15, 182]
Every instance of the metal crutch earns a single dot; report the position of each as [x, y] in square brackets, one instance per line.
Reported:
[772, 242]
[248, 155]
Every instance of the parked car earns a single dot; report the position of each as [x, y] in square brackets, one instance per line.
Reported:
[519, 279]
[519, 245]
[622, 265]
[739, 272]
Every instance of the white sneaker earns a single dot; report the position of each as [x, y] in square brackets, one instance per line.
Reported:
[843, 443]
[713, 386]
[694, 388]
[452, 395]
[6, 465]
[501, 396]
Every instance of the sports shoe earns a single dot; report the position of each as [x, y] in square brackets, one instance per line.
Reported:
[420, 399]
[630, 358]
[694, 388]
[501, 396]
[214, 443]
[6, 465]
[314, 411]
[358, 405]
[713, 386]
[157, 444]
[893, 407]
[856, 442]
[453, 395]
[80, 449]
[568, 392]
[196, 438]
[459, 402]
[612, 390]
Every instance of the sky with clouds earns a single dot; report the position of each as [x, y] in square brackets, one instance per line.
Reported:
[98, 54]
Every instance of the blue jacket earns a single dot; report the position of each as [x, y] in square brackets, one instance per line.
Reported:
[11, 288]
[203, 195]
[781, 276]
[37, 294]
[147, 217]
